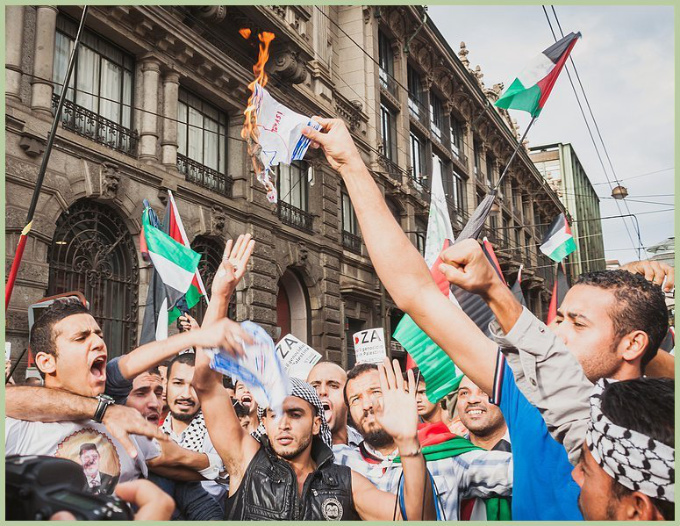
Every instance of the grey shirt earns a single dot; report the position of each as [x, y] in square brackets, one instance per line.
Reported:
[550, 377]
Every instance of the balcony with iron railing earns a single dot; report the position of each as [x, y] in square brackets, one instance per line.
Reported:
[351, 242]
[93, 126]
[293, 216]
[201, 175]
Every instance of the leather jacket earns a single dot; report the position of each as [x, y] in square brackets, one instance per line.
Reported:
[269, 489]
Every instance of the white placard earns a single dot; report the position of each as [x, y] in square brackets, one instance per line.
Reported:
[297, 357]
[8, 351]
[369, 346]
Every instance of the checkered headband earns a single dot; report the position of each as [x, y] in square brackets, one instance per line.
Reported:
[633, 459]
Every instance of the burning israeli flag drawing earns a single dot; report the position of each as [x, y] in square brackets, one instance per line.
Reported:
[279, 135]
[260, 368]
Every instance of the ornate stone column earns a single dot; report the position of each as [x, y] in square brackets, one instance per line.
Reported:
[151, 68]
[14, 39]
[43, 60]
[170, 101]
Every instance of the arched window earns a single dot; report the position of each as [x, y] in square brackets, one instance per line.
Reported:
[211, 256]
[292, 307]
[93, 252]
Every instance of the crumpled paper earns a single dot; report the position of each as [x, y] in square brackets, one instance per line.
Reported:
[279, 136]
[260, 369]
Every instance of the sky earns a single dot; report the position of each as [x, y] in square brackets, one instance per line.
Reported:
[625, 63]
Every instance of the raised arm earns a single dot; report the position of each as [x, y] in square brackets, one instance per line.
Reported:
[43, 404]
[399, 265]
[398, 416]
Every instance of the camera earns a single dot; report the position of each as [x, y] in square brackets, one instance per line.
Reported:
[39, 486]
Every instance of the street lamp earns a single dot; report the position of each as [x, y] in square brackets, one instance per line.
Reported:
[620, 192]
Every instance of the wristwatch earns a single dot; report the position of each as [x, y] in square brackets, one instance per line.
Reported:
[104, 402]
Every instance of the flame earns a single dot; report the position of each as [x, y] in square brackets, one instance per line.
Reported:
[249, 131]
[245, 32]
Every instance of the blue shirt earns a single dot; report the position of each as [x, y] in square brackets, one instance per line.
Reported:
[543, 486]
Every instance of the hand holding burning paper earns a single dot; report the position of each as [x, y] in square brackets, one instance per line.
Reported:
[273, 131]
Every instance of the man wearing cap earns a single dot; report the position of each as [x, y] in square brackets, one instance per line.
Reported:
[290, 473]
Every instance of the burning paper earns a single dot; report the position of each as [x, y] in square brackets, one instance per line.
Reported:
[260, 369]
[273, 132]
[280, 133]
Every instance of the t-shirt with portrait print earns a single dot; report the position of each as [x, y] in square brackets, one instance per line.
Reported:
[104, 460]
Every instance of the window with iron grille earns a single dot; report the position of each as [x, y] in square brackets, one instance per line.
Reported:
[386, 62]
[211, 253]
[93, 252]
[456, 136]
[389, 132]
[421, 236]
[436, 116]
[490, 162]
[415, 92]
[99, 96]
[293, 187]
[417, 158]
[477, 155]
[458, 191]
[350, 226]
[202, 143]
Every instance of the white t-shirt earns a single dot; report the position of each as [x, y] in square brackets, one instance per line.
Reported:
[105, 461]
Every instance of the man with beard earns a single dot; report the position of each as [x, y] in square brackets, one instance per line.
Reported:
[612, 322]
[146, 395]
[329, 380]
[461, 474]
[483, 420]
[186, 427]
[290, 474]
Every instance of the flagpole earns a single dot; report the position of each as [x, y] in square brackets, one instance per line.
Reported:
[18, 255]
[512, 157]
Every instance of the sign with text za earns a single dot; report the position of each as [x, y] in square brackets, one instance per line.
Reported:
[369, 345]
[295, 353]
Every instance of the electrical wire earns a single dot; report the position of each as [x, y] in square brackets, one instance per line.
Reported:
[597, 151]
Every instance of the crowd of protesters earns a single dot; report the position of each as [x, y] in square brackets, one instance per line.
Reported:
[568, 422]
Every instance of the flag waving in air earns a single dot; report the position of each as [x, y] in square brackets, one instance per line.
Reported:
[558, 241]
[531, 89]
[175, 264]
[560, 288]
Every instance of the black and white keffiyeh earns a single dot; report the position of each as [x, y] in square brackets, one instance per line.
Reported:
[307, 393]
[193, 437]
[633, 459]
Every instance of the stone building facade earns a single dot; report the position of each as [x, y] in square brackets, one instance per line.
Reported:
[156, 104]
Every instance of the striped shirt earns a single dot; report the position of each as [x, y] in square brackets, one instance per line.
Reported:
[481, 474]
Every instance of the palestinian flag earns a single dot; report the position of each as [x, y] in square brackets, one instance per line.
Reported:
[175, 230]
[560, 288]
[517, 288]
[558, 242]
[531, 89]
[175, 264]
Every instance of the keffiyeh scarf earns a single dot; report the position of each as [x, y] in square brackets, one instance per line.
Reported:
[636, 461]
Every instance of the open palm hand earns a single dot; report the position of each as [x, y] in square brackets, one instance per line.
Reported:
[397, 413]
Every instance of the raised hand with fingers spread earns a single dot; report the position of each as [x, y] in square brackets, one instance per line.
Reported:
[233, 266]
[396, 409]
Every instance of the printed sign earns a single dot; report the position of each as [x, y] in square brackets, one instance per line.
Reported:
[297, 357]
[369, 346]
[8, 351]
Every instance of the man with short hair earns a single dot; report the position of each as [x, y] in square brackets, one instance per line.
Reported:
[290, 474]
[543, 488]
[329, 380]
[458, 474]
[97, 481]
[247, 401]
[430, 413]
[482, 419]
[146, 395]
[627, 468]
[71, 354]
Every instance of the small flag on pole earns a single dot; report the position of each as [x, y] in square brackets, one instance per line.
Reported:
[517, 288]
[558, 242]
[175, 264]
[531, 89]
